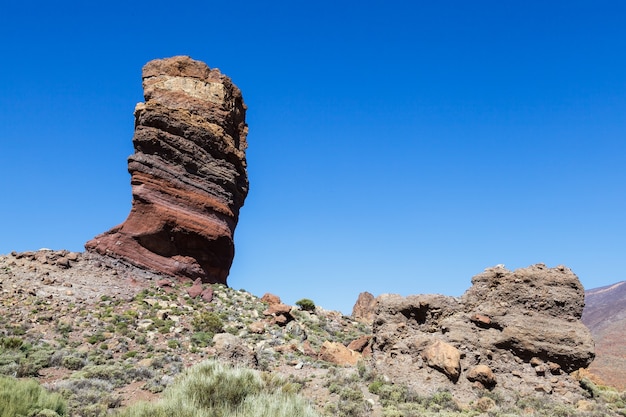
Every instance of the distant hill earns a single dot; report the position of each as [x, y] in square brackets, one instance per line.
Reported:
[605, 315]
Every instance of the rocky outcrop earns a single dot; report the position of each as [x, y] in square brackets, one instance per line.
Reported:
[363, 310]
[188, 174]
[512, 330]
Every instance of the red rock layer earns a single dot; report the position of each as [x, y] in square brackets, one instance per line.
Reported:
[188, 173]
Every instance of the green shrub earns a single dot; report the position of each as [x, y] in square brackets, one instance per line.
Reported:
[306, 304]
[28, 398]
[207, 322]
[11, 342]
[87, 397]
[73, 362]
[201, 339]
[115, 374]
[211, 389]
[96, 338]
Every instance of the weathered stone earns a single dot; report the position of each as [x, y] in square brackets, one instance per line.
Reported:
[281, 313]
[271, 299]
[257, 327]
[363, 310]
[482, 374]
[164, 283]
[358, 345]
[277, 309]
[207, 294]
[337, 353]
[188, 174]
[568, 344]
[445, 358]
[503, 321]
[196, 289]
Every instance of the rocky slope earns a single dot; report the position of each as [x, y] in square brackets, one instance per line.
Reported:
[188, 173]
[605, 315]
[106, 334]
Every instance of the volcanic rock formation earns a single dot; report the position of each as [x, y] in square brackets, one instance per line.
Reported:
[516, 331]
[188, 173]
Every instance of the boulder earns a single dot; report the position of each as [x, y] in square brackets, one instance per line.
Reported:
[358, 345]
[270, 298]
[337, 353]
[482, 374]
[196, 289]
[443, 357]
[363, 310]
[188, 174]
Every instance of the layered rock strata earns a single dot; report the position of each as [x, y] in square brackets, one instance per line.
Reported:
[188, 174]
[513, 331]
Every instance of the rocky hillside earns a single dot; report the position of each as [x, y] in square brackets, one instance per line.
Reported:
[605, 315]
[106, 334]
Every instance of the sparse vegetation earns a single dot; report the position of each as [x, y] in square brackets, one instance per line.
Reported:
[213, 389]
[28, 398]
[144, 341]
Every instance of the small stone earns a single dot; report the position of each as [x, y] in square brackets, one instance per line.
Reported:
[555, 368]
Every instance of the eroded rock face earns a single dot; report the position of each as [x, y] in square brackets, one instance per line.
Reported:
[363, 310]
[516, 331]
[188, 173]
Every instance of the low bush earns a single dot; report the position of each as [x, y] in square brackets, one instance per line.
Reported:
[211, 389]
[208, 322]
[28, 398]
[306, 304]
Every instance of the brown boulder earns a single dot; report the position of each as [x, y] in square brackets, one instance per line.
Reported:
[445, 358]
[358, 345]
[363, 310]
[482, 374]
[280, 312]
[270, 298]
[337, 353]
[188, 174]
[196, 289]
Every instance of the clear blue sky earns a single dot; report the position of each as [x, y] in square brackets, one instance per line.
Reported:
[394, 146]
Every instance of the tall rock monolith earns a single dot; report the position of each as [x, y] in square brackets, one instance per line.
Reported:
[188, 173]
